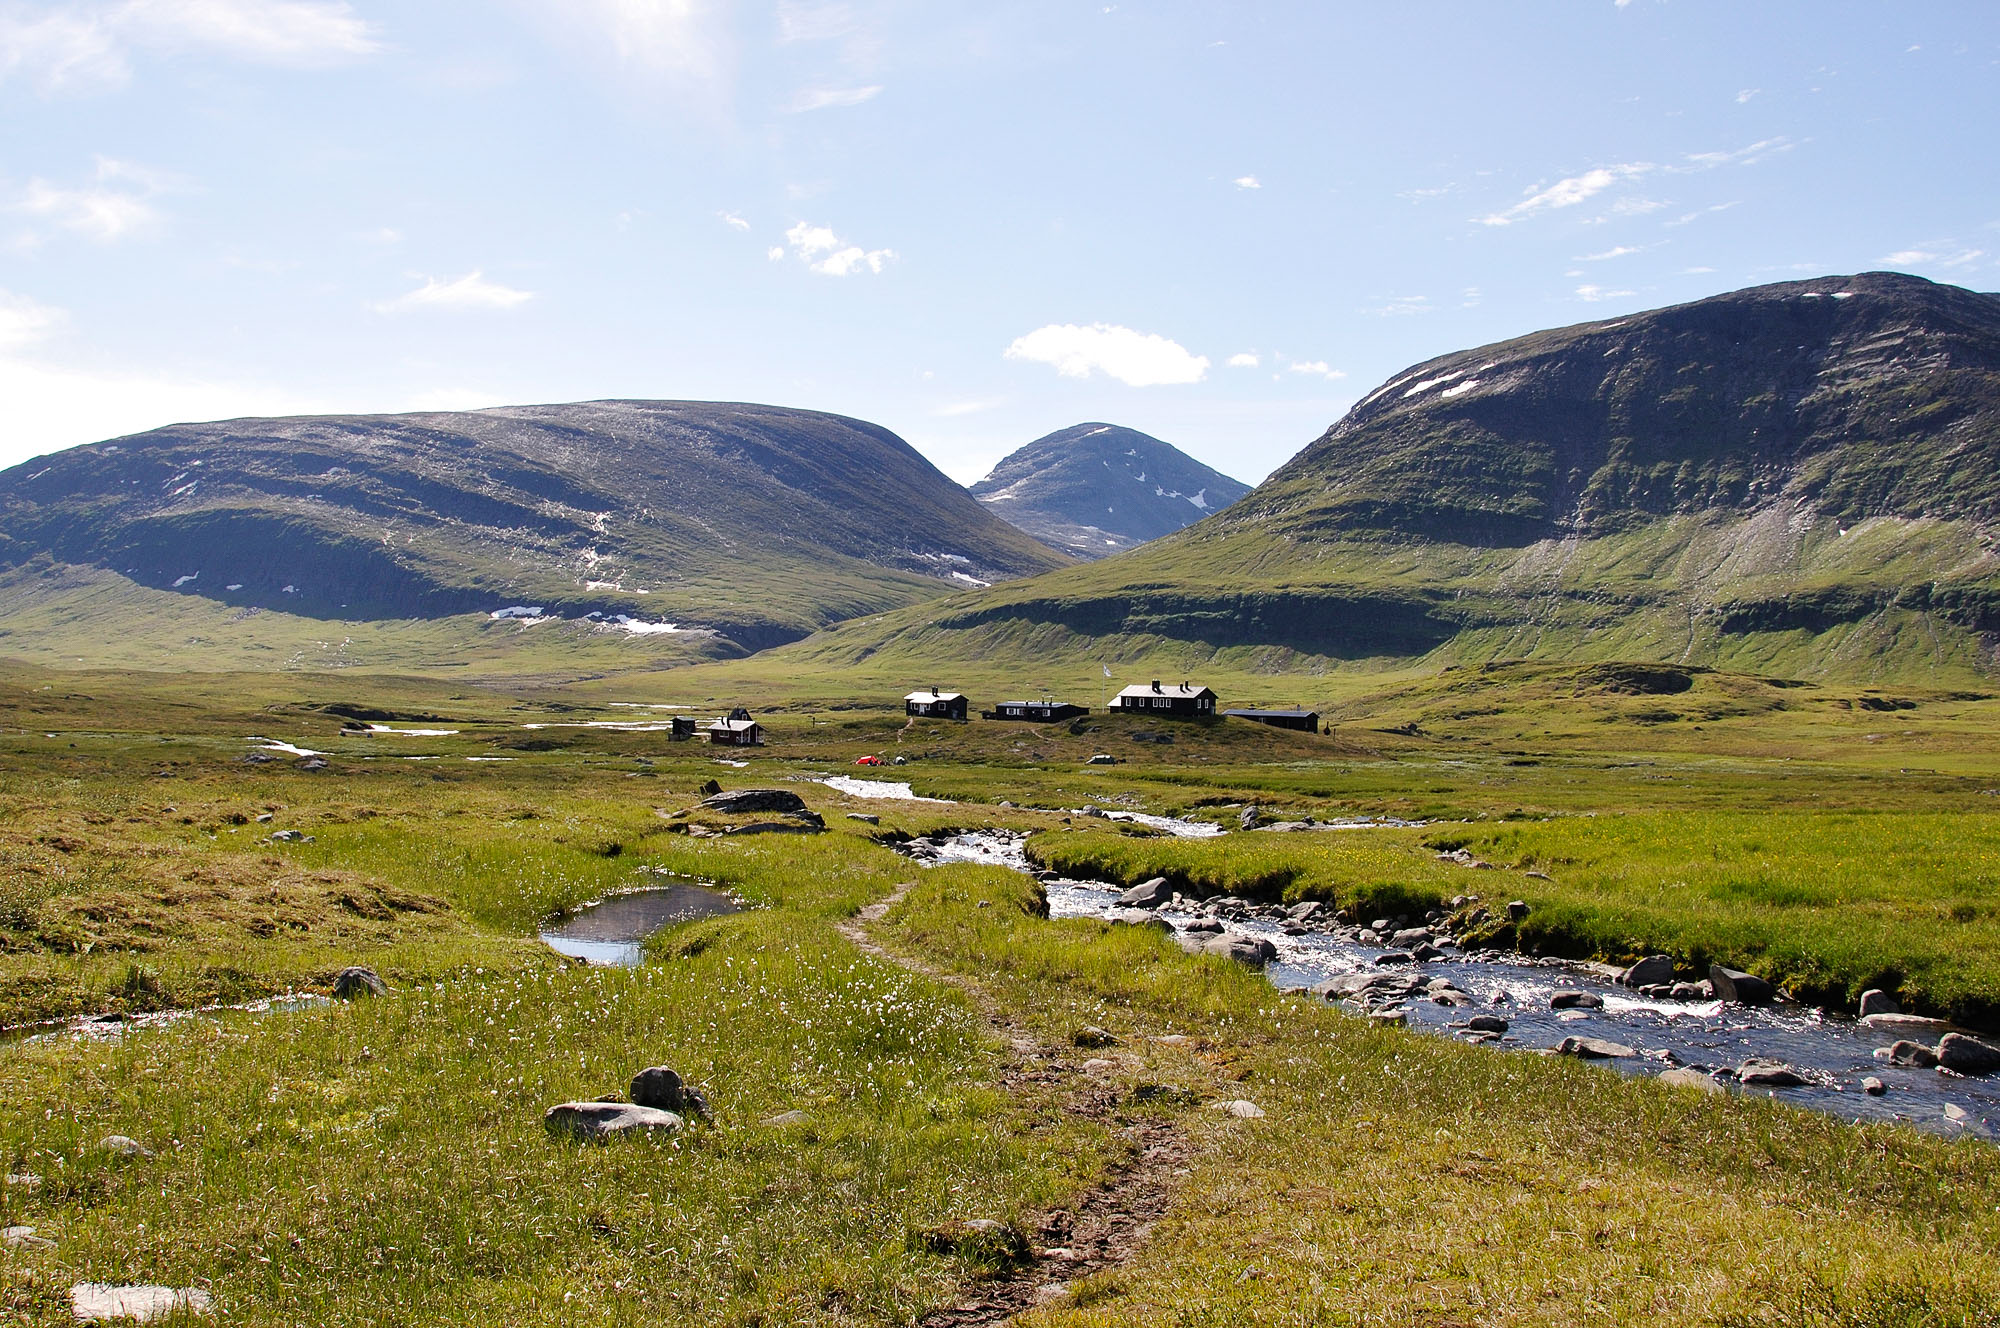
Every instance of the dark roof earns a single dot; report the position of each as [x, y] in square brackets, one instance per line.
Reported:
[1185, 690]
[1274, 714]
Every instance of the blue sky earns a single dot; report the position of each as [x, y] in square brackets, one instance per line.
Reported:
[1221, 223]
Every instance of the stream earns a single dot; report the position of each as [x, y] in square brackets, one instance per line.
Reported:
[1831, 1052]
[614, 929]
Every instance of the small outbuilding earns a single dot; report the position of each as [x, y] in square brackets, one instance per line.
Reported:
[733, 732]
[1305, 721]
[679, 728]
[1174, 700]
[1042, 712]
[934, 704]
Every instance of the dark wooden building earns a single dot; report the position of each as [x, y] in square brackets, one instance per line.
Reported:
[732, 732]
[1173, 700]
[1305, 721]
[934, 704]
[1036, 711]
[679, 728]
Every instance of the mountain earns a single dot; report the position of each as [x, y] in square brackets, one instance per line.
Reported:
[751, 524]
[1094, 489]
[1801, 477]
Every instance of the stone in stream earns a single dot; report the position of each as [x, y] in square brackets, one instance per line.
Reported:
[1593, 1049]
[1956, 1114]
[1691, 991]
[1576, 1000]
[1252, 950]
[353, 983]
[1147, 894]
[1873, 1087]
[1906, 1023]
[737, 801]
[95, 1301]
[1486, 1023]
[1736, 987]
[1653, 970]
[1877, 1001]
[660, 1087]
[1694, 1079]
[1137, 917]
[1305, 912]
[1758, 1072]
[1906, 1052]
[1409, 938]
[598, 1121]
[1395, 957]
[1426, 954]
[1204, 926]
[1967, 1055]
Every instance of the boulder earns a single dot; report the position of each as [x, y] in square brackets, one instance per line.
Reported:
[1877, 1001]
[1205, 926]
[1252, 950]
[1873, 1087]
[1593, 1049]
[1760, 1073]
[24, 1238]
[1389, 1018]
[1653, 970]
[1691, 991]
[353, 983]
[1739, 988]
[123, 1146]
[1137, 917]
[1486, 1023]
[1395, 957]
[1147, 894]
[1906, 1023]
[1090, 1035]
[1306, 912]
[1248, 818]
[664, 1089]
[739, 801]
[866, 818]
[1409, 938]
[1241, 1109]
[1906, 1052]
[92, 1302]
[1967, 1055]
[1694, 1079]
[1427, 954]
[1517, 909]
[1576, 1000]
[597, 1121]
[708, 786]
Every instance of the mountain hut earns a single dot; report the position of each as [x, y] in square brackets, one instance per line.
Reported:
[1182, 700]
[934, 704]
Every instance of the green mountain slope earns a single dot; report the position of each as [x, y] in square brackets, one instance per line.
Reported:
[1802, 477]
[1094, 489]
[742, 525]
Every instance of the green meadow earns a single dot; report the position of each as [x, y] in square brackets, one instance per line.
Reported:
[880, 1081]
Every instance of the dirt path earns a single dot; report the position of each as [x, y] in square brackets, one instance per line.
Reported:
[1112, 1220]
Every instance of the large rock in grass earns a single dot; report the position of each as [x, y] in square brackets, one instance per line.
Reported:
[1684, 1078]
[94, 1302]
[1967, 1055]
[596, 1122]
[1252, 950]
[1652, 971]
[735, 802]
[1147, 894]
[1735, 987]
[354, 983]
[1137, 917]
[662, 1088]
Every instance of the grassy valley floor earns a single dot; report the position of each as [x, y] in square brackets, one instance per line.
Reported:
[880, 1079]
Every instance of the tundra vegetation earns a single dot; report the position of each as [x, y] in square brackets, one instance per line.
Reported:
[883, 1082]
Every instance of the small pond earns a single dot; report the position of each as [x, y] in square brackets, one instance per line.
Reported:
[614, 929]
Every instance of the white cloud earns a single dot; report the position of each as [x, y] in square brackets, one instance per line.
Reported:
[1592, 294]
[804, 22]
[827, 254]
[731, 219]
[1907, 257]
[24, 322]
[1617, 251]
[1746, 95]
[1401, 306]
[1569, 192]
[77, 45]
[1242, 360]
[1136, 359]
[471, 291]
[1247, 182]
[1696, 271]
[113, 207]
[819, 99]
[1317, 368]
[1744, 156]
[776, 253]
[1934, 258]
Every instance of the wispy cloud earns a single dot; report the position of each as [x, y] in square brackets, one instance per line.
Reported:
[1136, 359]
[1570, 191]
[683, 46]
[1745, 95]
[115, 205]
[1616, 251]
[469, 292]
[1315, 369]
[1592, 294]
[814, 22]
[732, 220]
[80, 45]
[1401, 306]
[1243, 360]
[1745, 156]
[1247, 182]
[1950, 256]
[819, 99]
[23, 321]
[827, 254]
